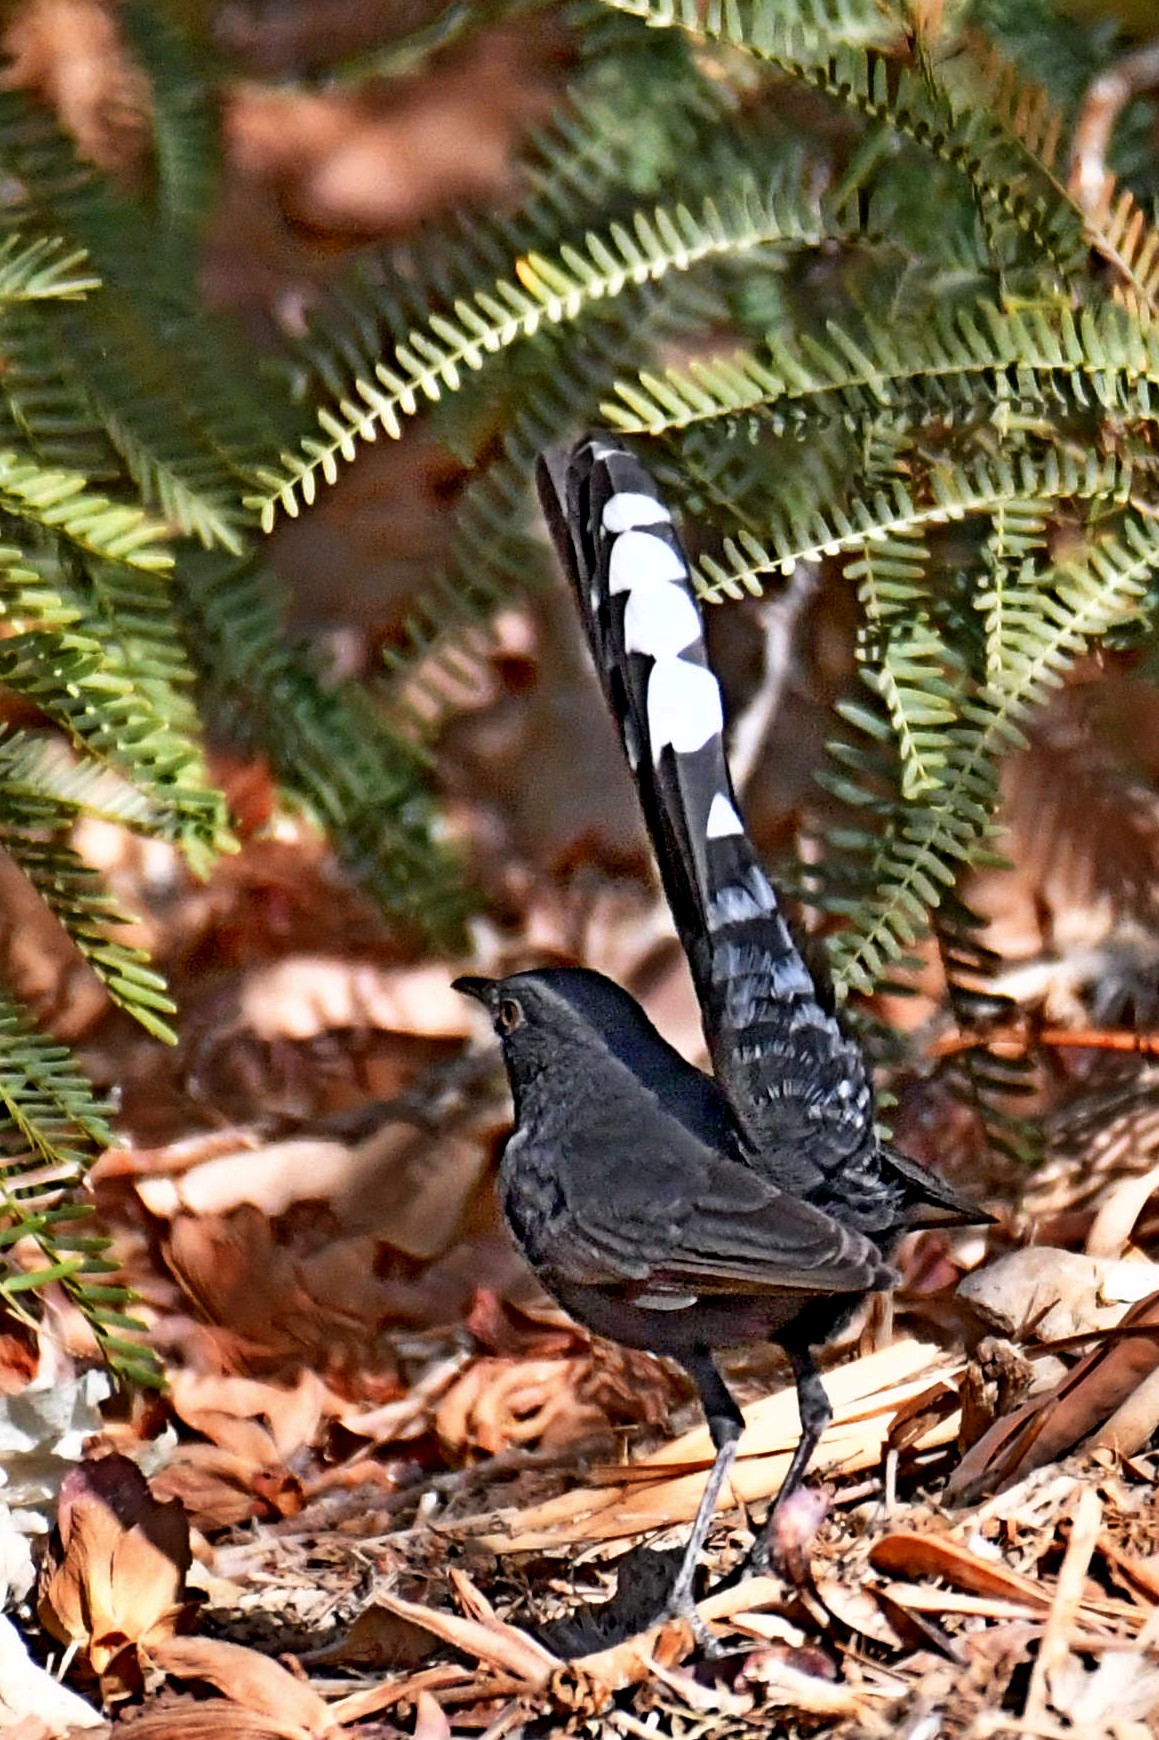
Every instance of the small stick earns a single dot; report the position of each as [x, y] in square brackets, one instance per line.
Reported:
[1054, 1649]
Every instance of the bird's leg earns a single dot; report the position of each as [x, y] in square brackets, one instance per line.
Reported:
[725, 1425]
[816, 1413]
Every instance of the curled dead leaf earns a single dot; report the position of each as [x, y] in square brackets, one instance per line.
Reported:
[262, 1686]
[1097, 1391]
[500, 1402]
[114, 1580]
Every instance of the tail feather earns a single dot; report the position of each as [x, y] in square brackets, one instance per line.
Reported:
[797, 1085]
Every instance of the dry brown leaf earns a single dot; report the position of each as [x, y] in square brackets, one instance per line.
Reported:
[501, 1402]
[786, 1687]
[866, 1393]
[19, 1354]
[371, 1699]
[1139, 1572]
[1057, 1636]
[507, 1647]
[400, 1184]
[378, 1638]
[225, 1409]
[905, 1553]
[307, 995]
[908, 1553]
[71, 53]
[174, 1158]
[114, 1582]
[220, 1489]
[1120, 1208]
[260, 1685]
[1051, 1424]
[342, 160]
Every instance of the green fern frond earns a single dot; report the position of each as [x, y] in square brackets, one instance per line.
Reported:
[1011, 489]
[1050, 620]
[183, 130]
[328, 744]
[988, 1083]
[493, 548]
[1019, 361]
[1120, 232]
[73, 892]
[44, 785]
[1005, 150]
[61, 503]
[70, 677]
[43, 269]
[544, 292]
[51, 1126]
[904, 658]
[817, 25]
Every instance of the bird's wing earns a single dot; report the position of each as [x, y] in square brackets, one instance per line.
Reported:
[701, 1223]
[798, 1087]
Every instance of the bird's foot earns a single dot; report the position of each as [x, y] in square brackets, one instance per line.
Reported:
[681, 1605]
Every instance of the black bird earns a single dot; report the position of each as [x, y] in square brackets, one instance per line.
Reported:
[664, 1208]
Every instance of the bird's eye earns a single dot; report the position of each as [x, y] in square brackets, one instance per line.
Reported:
[508, 1015]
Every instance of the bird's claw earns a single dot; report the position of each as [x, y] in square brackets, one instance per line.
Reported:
[682, 1606]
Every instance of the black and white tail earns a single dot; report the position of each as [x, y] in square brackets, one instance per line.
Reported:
[798, 1086]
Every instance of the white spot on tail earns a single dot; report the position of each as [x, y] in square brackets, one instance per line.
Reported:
[722, 819]
[660, 619]
[629, 509]
[684, 707]
[638, 558]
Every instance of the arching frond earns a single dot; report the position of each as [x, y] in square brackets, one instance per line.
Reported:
[542, 292]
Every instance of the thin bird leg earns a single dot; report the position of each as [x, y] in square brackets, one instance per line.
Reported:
[725, 1425]
[815, 1411]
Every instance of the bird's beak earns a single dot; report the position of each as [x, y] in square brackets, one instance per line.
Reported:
[480, 989]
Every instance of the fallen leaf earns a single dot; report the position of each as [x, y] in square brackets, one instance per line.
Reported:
[114, 1580]
[500, 1402]
[866, 1394]
[259, 1684]
[1053, 1423]
[507, 1648]
[1066, 1602]
[904, 1552]
[430, 1721]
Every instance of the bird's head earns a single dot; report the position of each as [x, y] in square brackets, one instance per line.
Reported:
[554, 1004]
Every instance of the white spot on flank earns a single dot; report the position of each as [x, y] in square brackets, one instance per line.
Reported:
[638, 558]
[684, 707]
[722, 819]
[664, 1301]
[624, 512]
[660, 619]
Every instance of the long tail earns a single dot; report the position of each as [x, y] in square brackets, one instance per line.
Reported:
[798, 1086]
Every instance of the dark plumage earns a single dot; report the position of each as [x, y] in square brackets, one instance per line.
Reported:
[664, 1208]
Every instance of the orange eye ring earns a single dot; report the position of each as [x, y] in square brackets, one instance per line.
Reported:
[508, 1015]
